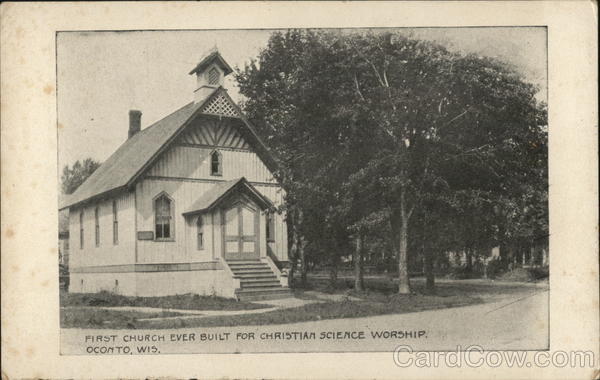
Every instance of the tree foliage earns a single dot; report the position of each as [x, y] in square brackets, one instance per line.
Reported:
[73, 177]
[448, 150]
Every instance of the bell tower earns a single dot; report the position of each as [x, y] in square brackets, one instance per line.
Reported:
[210, 74]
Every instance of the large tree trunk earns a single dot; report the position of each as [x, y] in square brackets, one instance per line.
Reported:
[428, 259]
[399, 221]
[293, 250]
[303, 266]
[291, 272]
[469, 257]
[301, 253]
[358, 267]
[404, 281]
[510, 258]
[544, 257]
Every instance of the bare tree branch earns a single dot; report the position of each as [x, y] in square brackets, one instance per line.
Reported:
[358, 88]
[363, 56]
[455, 118]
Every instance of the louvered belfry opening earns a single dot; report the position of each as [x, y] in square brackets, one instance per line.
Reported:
[210, 74]
[220, 106]
[213, 77]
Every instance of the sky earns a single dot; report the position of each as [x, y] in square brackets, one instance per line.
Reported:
[102, 75]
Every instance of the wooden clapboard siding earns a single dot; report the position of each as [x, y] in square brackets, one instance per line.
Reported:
[106, 253]
[193, 162]
[183, 247]
[183, 172]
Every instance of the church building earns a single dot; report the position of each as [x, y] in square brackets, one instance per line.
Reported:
[185, 205]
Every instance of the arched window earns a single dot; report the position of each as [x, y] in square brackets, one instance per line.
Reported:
[216, 163]
[81, 229]
[163, 216]
[213, 76]
[200, 233]
[97, 226]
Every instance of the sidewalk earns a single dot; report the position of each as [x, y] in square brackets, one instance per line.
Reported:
[278, 304]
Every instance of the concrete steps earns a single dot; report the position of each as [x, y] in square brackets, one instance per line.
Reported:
[257, 281]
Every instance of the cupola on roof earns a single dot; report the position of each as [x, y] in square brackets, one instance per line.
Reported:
[127, 165]
[210, 74]
[213, 57]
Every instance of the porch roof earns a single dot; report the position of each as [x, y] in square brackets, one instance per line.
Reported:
[219, 192]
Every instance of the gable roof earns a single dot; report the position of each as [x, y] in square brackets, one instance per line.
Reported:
[137, 153]
[214, 56]
[219, 192]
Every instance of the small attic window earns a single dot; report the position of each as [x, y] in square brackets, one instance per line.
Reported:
[216, 164]
[213, 76]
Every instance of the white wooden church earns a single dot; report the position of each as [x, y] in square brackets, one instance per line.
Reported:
[185, 205]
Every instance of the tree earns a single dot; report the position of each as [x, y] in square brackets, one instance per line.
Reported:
[433, 108]
[289, 99]
[73, 177]
[382, 123]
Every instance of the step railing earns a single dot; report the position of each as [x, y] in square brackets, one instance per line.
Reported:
[282, 277]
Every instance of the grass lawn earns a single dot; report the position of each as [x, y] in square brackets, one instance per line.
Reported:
[374, 305]
[384, 285]
[183, 302]
[93, 317]
[373, 302]
[379, 299]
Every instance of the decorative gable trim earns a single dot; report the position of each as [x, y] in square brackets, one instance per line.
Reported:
[172, 138]
[122, 169]
[221, 106]
[215, 133]
[249, 134]
[220, 193]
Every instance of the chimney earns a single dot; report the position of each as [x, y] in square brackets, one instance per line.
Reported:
[135, 122]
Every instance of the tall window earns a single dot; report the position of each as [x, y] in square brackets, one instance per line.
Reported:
[115, 223]
[163, 217]
[270, 227]
[213, 76]
[81, 229]
[97, 226]
[216, 163]
[200, 233]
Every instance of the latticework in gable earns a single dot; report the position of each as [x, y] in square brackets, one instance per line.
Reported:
[221, 106]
